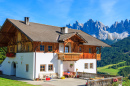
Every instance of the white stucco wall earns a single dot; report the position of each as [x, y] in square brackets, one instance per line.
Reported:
[25, 58]
[61, 47]
[80, 65]
[6, 67]
[46, 58]
[60, 68]
[66, 65]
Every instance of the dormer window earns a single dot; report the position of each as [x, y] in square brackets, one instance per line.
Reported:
[41, 47]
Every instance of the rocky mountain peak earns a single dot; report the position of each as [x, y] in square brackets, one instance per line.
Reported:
[118, 30]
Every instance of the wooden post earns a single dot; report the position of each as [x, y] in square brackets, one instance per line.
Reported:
[64, 48]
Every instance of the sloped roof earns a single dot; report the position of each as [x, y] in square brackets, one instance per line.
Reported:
[48, 33]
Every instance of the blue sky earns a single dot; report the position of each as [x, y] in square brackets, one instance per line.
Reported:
[62, 12]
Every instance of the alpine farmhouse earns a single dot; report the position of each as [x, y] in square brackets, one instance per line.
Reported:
[35, 49]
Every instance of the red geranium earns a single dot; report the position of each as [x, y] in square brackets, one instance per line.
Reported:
[10, 54]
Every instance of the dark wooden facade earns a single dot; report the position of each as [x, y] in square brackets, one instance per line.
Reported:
[16, 41]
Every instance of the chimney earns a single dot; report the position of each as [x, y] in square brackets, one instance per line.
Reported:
[26, 20]
[64, 30]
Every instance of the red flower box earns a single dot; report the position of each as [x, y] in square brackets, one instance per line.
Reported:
[10, 54]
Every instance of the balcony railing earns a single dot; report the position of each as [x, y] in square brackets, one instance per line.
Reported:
[90, 56]
[77, 56]
[98, 56]
[69, 56]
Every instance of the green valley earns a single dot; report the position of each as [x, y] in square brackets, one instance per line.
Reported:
[107, 69]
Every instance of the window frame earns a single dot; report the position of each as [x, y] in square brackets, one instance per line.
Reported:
[11, 49]
[85, 66]
[67, 50]
[49, 48]
[90, 50]
[27, 67]
[43, 69]
[90, 66]
[41, 48]
[50, 65]
[80, 48]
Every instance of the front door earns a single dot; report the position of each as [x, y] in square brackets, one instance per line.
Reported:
[66, 49]
[13, 68]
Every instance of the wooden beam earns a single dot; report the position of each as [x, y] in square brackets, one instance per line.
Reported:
[64, 47]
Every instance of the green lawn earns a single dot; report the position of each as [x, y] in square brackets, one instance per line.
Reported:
[111, 71]
[126, 83]
[9, 82]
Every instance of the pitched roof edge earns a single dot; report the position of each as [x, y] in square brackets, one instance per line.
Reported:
[20, 30]
[98, 39]
[82, 37]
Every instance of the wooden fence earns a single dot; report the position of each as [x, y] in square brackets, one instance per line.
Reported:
[99, 79]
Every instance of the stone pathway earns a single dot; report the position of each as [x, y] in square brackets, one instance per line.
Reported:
[53, 82]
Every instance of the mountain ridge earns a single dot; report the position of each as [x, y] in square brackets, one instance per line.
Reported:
[116, 31]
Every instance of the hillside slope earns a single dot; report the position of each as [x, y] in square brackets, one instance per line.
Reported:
[111, 71]
[120, 51]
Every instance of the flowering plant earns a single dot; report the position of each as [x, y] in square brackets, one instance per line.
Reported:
[115, 80]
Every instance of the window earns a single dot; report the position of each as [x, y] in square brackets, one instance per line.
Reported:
[49, 48]
[50, 67]
[27, 67]
[86, 65]
[42, 67]
[80, 49]
[66, 49]
[28, 47]
[11, 49]
[41, 47]
[91, 65]
[89, 50]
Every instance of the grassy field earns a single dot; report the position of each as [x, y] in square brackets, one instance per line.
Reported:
[126, 83]
[9, 82]
[111, 71]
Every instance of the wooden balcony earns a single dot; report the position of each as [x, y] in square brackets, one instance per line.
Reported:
[69, 56]
[77, 56]
[90, 56]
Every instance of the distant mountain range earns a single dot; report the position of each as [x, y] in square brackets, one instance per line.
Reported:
[115, 32]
